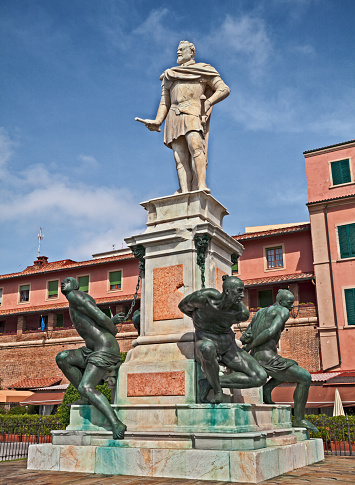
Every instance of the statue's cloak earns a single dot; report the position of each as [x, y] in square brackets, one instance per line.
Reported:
[192, 72]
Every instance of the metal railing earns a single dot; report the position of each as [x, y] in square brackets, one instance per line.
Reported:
[17, 433]
[338, 433]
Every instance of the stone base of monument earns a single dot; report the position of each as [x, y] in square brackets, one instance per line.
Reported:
[169, 435]
[225, 442]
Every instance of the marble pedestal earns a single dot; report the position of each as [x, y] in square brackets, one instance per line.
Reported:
[169, 434]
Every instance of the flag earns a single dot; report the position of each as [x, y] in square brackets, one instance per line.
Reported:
[43, 325]
[110, 311]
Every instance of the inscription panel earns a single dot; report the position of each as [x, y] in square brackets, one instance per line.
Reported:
[166, 294]
[156, 384]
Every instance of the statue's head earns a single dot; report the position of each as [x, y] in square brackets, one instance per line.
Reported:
[69, 284]
[185, 52]
[285, 298]
[233, 288]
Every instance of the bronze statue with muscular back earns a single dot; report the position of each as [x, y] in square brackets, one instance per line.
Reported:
[261, 338]
[87, 366]
[213, 314]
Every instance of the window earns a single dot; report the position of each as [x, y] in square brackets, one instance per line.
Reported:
[60, 320]
[346, 235]
[340, 172]
[115, 280]
[350, 305]
[265, 298]
[24, 293]
[235, 269]
[1, 291]
[274, 258]
[83, 283]
[53, 289]
[2, 327]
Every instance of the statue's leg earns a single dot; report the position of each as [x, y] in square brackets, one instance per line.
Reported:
[246, 371]
[206, 355]
[303, 380]
[183, 163]
[72, 364]
[197, 149]
[268, 388]
[92, 377]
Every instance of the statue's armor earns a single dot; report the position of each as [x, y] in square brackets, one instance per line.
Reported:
[182, 97]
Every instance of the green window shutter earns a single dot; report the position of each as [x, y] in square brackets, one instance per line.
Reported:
[350, 305]
[25, 288]
[115, 280]
[235, 269]
[60, 320]
[347, 240]
[83, 283]
[341, 172]
[265, 298]
[52, 288]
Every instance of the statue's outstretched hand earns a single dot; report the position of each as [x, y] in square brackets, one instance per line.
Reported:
[152, 125]
[119, 318]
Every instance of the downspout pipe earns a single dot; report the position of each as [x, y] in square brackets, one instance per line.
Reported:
[332, 287]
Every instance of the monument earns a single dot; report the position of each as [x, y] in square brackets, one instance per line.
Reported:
[171, 386]
[261, 338]
[188, 93]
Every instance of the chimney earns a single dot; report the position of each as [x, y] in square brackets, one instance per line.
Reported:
[41, 261]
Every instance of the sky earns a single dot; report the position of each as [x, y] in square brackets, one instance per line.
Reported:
[74, 74]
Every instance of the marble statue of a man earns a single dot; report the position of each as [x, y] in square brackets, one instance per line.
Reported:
[188, 93]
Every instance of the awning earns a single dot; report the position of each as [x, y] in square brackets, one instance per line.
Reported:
[7, 395]
[44, 398]
[318, 397]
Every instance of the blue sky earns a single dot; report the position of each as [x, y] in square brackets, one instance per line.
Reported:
[75, 73]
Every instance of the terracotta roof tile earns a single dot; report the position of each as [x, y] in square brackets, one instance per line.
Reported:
[61, 306]
[330, 199]
[273, 232]
[65, 264]
[278, 279]
[330, 146]
[32, 383]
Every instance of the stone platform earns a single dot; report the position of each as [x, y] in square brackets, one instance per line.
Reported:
[225, 442]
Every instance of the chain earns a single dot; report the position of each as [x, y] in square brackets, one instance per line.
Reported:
[139, 252]
[201, 244]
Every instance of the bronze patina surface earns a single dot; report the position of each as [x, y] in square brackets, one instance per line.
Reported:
[87, 366]
[213, 314]
[261, 338]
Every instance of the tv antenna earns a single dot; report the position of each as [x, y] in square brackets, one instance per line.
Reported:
[40, 237]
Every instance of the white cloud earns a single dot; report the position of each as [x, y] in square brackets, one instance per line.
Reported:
[88, 162]
[153, 25]
[95, 216]
[242, 39]
[6, 150]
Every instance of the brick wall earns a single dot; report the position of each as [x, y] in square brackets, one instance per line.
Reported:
[36, 361]
[301, 344]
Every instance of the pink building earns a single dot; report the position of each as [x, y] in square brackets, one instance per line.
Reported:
[32, 299]
[280, 256]
[331, 204]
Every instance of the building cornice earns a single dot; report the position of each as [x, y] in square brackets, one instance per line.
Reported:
[330, 148]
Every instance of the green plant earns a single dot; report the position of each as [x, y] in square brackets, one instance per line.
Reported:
[17, 410]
